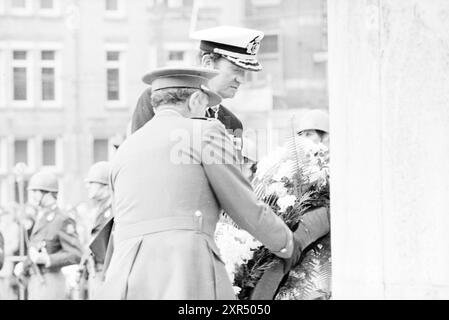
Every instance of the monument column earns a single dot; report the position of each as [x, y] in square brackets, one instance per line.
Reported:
[389, 109]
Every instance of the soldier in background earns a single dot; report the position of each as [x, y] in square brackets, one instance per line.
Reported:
[314, 125]
[53, 242]
[10, 231]
[98, 191]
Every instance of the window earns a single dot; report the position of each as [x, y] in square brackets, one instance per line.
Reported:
[101, 150]
[175, 55]
[113, 56]
[179, 53]
[111, 5]
[115, 69]
[21, 77]
[49, 67]
[49, 153]
[24, 152]
[21, 151]
[48, 80]
[49, 8]
[113, 80]
[47, 4]
[114, 9]
[113, 75]
[18, 4]
[20, 7]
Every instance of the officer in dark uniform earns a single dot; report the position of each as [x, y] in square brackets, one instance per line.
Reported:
[53, 242]
[97, 181]
[230, 50]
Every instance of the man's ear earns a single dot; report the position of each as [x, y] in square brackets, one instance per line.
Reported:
[198, 103]
[207, 62]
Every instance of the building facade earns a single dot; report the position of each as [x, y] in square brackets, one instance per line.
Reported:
[70, 74]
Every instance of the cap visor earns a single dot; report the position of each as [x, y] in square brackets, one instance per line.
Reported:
[250, 65]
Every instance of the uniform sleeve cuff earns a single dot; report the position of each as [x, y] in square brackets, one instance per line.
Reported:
[287, 251]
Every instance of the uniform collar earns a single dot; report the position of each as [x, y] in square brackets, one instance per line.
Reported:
[169, 113]
[47, 216]
[212, 112]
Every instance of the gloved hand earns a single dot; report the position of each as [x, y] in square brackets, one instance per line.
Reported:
[19, 270]
[294, 259]
[39, 257]
[313, 225]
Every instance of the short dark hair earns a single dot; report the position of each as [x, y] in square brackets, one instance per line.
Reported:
[321, 133]
[171, 96]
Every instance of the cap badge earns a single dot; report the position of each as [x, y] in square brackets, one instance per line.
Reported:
[253, 46]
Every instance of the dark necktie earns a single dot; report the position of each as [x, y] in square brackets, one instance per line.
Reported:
[212, 112]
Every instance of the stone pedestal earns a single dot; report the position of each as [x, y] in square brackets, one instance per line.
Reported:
[389, 109]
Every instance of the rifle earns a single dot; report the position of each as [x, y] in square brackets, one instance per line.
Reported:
[34, 266]
[82, 276]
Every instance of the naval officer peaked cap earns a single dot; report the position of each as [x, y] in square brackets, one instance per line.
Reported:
[188, 77]
[238, 45]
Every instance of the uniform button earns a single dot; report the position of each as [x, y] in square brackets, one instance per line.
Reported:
[198, 213]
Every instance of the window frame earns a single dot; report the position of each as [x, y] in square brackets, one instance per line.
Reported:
[115, 14]
[121, 66]
[53, 12]
[100, 137]
[59, 152]
[29, 65]
[23, 12]
[31, 152]
[57, 65]
[188, 48]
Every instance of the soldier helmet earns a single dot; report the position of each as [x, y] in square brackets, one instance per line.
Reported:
[314, 120]
[44, 181]
[99, 173]
[249, 149]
